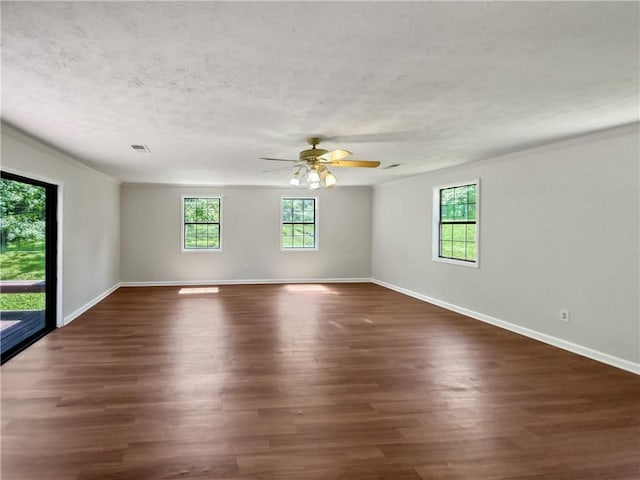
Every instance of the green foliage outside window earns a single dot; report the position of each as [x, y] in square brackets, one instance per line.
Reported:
[298, 223]
[22, 209]
[201, 223]
[22, 241]
[458, 227]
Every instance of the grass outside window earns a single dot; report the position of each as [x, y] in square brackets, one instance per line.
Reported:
[23, 261]
[298, 223]
[455, 221]
[201, 224]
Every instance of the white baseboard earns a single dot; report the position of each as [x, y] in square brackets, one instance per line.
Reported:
[72, 316]
[263, 281]
[542, 337]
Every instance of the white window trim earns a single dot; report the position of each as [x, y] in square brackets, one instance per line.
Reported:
[435, 228]
[317, 223]
[199, 250]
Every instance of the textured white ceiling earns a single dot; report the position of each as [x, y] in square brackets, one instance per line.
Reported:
[212, 86]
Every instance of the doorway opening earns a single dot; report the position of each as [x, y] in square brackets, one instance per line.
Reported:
[28, 244]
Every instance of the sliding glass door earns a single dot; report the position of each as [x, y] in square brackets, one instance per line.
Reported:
[27, 262]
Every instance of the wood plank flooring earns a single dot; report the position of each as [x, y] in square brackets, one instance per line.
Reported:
[307, 382]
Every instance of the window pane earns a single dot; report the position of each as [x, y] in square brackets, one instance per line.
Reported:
[298, 205]
[446, 232]
[201, 236]
[201, 207]
[459, 250]
[202, 227]
[300, 218]
[446, 196]
[460, 212]
[471, 233]
[457, 216]
[472, 194]
[471, 251]
[461, 195]
[214, 210]
[308, 216]
[310, 230]
[287, 203]
[189, 209]
[189, 236]
[446, 249]
[472, 212]
[459, 232]
[309, 242]
[213, 236]
[207, 214]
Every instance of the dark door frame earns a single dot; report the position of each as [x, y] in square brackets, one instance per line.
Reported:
[51, 261]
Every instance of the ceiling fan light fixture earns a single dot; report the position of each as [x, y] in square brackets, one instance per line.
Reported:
[299, 176]
[295, 179]
[330, 180]
[313, 177]
[327, 179]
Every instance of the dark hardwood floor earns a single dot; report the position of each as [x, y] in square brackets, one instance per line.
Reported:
[308, 382]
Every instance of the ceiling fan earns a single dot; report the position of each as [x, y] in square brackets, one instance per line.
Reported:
[312, 165]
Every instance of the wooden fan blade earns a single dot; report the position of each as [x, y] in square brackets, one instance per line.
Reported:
[334, 155]
[279, 159]
[354, 163]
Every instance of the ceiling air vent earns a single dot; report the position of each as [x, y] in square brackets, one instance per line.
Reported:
[393, 165]
[141, 148]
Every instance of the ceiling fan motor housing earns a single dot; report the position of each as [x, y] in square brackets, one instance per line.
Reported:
[312, 154]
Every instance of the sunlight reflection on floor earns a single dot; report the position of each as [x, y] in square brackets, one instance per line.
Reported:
[194, 290]
[310, 287]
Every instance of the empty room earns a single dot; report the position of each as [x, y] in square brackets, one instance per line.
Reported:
[320, 240]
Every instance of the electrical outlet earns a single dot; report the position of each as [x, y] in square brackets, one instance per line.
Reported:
[564, 315]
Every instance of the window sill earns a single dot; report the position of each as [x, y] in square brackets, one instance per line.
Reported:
[456, 262]
[201, 250]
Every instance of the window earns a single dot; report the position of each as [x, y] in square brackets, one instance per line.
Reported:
[455, 223]
[298, 223]
[201, 223]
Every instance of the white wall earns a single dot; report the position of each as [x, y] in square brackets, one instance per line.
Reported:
[559, 229]
[90, 217]
[151, 228]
